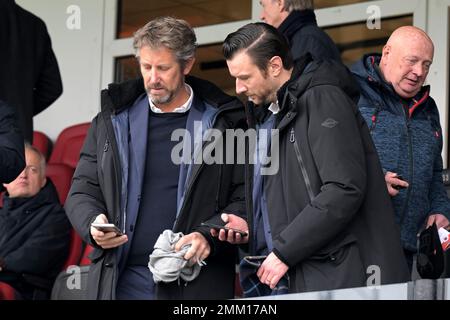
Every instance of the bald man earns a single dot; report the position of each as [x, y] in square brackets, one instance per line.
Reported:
[404, 123]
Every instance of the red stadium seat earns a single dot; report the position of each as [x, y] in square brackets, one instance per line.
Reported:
[7, 292]
[61, 176]
[43, 143]
[75, 251]
[68, 145]
[85, 261]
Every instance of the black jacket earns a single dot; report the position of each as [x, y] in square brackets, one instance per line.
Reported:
[97, 188]
[12, 157]
[303, 34]
[29, 79]
[34, 234]
[329, 211]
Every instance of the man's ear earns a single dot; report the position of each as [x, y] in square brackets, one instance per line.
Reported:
[281, 5]
[188, 66]
[275, 65]
[386, 51]
[44, 181]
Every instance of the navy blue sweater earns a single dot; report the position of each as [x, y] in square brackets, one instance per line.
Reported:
[158, 206]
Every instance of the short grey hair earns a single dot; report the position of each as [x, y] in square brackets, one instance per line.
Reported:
[174, 34]
[42, 163]
[291, 5]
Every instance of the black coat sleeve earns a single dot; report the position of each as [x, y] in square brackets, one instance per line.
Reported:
[48, 85]
[12, 157]
[340, 160]
[85, 200]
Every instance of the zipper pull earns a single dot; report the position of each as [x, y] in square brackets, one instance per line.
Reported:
[292, 138]
[105, 148]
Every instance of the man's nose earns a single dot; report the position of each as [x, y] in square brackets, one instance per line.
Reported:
[240, 88]
[419, 70]
[154, 76]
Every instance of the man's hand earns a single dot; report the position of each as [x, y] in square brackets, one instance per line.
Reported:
[272, 270]
[199, 249]
[441, 220]
[392, 181]
[234, 222]
[106, 240]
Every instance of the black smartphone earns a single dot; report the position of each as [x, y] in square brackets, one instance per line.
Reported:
[396, 186]
[218, 227]
[107, 227]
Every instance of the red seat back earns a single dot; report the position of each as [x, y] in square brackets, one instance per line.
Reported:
[75, 251]
[68, 145]
[85, 258]
[43, 143]
[7, 292]
[61, 176]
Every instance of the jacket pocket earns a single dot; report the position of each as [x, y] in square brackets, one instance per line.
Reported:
[338, 265]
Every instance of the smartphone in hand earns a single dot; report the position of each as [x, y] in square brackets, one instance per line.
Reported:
[396, 186]
[218, 227]
[107, 227]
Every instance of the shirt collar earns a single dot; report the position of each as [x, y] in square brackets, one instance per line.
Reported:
[274, 107]
[181, 109]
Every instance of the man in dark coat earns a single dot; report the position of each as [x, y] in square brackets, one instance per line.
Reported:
[405, 127]
[324, 219]
[29, 79]
[34, 229]
[296, 20]
[12, 157]
[129, 173]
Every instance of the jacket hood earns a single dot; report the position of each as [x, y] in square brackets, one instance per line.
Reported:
[120, 96]
[308, 73]
[365, 67]
[367, 71]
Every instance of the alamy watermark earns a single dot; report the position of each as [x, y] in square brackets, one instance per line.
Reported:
[374, 19]
[73, 22]
[208, 146]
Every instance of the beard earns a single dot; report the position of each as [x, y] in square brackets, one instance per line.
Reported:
[162, 99]
[157, 100]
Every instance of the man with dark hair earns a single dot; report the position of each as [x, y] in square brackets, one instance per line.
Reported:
[34, 230]
[30, 80]
[318, 219]
[129, 174]
[296, 20]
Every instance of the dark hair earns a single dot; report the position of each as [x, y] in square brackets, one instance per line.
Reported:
[261, 42]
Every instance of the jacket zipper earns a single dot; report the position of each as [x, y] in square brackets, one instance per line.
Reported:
[411, 168]
[302, 165]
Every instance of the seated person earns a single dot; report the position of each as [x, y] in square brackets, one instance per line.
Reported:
[34, 229]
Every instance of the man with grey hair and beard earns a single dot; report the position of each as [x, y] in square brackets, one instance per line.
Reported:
[296, 20]
[127, 175]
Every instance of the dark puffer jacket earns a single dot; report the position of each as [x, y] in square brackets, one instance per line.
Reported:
[408, 144]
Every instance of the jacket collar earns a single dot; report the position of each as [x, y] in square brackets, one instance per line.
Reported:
[46, 195]
[120, 96]
[296, 20]
[368, 69]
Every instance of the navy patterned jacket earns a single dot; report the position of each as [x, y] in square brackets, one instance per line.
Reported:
[408, 138]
